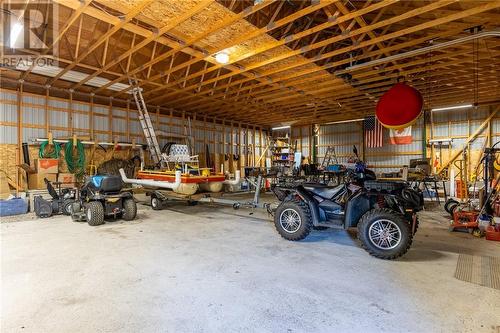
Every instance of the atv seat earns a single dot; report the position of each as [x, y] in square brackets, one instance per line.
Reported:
[326, 192]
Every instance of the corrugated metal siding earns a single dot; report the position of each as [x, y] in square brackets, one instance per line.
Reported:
[341, 137]
[8, 96]
[8, 112]
[8, 134]
[58, 118]
[81, 121]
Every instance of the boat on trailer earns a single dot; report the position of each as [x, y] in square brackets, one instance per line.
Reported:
[181, 173]
[190, 182]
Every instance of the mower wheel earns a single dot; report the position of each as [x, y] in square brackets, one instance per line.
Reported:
[94, 212]
[292, 220]
[384, 233]
[129, 209]
[156, 203]
[66, 206]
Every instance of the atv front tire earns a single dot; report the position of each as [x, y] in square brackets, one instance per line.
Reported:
[292, 220]
[129, 209]
[94, 212]
[384, 233]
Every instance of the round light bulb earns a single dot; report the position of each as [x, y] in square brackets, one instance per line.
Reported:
[222, 58]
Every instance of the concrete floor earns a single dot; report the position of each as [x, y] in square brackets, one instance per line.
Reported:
[211, 269]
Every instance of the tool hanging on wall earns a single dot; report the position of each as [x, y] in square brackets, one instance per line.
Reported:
[76, 166]
[49, 148]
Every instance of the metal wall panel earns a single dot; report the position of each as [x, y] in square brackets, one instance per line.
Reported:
[33, 115]
[8, 134]
[119, 112]
[119, 125]
[135, 128]
[8, 96]
[8, 112]
[30, 133]
[58, 104]
[101, 123]
[58, 118]
[100, 109]
[81, 121]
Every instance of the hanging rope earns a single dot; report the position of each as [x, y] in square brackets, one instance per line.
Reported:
[43, 152]
[76, 166]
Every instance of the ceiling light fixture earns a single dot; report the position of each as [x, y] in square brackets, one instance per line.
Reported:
[345, 121]
[222, 58]
[453, 107]
[280, 128]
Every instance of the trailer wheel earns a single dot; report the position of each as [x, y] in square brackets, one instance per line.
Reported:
[156, 203]
[384, 233]
[94, 212]
[129, 209]
[292, 220]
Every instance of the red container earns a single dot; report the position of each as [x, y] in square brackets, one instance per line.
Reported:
[493, 233]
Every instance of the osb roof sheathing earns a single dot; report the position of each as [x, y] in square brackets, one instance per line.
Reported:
[160, 12]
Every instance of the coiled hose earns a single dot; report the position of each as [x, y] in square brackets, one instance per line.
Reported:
[76, 166]
[53, 153]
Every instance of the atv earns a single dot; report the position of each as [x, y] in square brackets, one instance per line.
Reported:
[385, 212]
[101, 196]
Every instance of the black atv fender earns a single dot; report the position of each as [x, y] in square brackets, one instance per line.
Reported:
[356, 207]
[309, 200]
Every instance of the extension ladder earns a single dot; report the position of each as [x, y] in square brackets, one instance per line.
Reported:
[146, 124]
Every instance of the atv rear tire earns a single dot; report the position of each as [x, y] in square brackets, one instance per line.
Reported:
[94, 212]
[129, 209]
[384, 233]
[66, 206]
[292, 220]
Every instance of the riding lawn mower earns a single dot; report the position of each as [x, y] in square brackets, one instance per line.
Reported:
[102, 196]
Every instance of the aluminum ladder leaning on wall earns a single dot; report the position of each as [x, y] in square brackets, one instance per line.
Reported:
[146, 124]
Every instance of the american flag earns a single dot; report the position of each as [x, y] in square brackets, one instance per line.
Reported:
[373, 132]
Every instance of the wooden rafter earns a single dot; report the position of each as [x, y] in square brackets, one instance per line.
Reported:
[127, 18]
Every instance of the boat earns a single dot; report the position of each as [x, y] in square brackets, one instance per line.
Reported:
[190, 182]
[180, 172]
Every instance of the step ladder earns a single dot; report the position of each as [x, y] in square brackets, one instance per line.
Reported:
[330, 156]
[146, 123]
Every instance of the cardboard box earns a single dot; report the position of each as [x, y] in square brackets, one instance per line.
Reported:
[47, 165]
[66, 179]
[36, 182]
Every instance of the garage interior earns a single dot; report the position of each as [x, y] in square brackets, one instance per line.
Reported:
[250, 165]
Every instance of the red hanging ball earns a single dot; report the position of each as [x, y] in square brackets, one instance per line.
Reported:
[399, 107]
